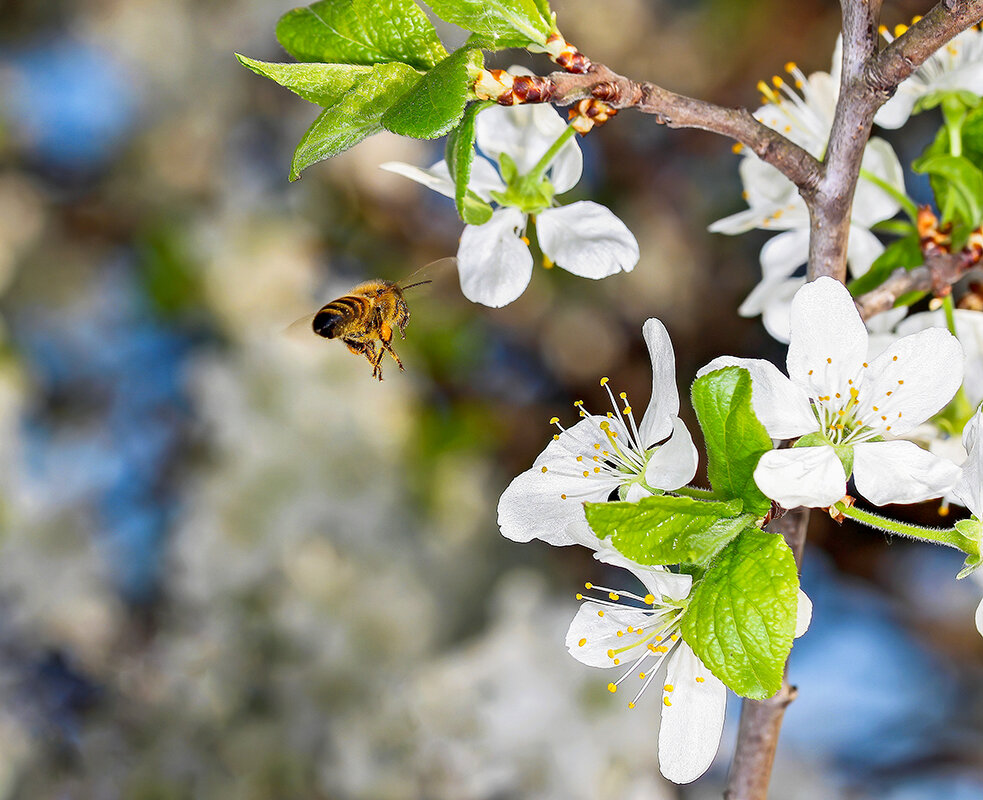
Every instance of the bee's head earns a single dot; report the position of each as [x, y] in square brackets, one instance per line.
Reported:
[325, 322]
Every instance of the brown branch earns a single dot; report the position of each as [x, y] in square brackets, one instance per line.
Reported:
[679, 111]
[868, 80]
[939, 271]
[761, 720]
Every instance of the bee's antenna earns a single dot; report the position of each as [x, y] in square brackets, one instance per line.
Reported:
[418, 283]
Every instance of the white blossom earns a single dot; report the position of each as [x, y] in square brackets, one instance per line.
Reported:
[642, 638]
[853, 408]
[774, 202]
[494, 261]
[601, 455]
[956, 66]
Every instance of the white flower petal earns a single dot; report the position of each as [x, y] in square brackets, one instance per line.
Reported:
[900, 472]
[587, 239]
[979, 617]
[862, 249]
[657, 422]
[784, 253]
[674, 463]
[526, 132]
[969, 329]
[829, 339]
[969, 487]
[597, 626]
[436, 178]
[921, 372]
[495, 265]
[895, 112]
[871, 203]
[801, 476]
[532, 508]
[777, 312]
[692, 717]
[803, 614]
[783, 408]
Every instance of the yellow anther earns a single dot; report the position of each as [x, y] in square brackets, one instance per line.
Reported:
[666, 701]
[829, 361]
[556, 437]
[623, 395]
[790, 66]
[916, 19]
[581, 643]
[865, 364]
[626, 411]
[588, 585]
[525, 240]
[810, 372]
[579, 596]
[837, 395]
[641, 675]
[605, 425]
[597, 470]
[580, 458]
[674, 636]
[661, 649]
[736, 147]
[545, 470]
[763, 88]
[700, 680]
[554, 420]
[882, 29]
[658, 638]
[610, 653]
[776, 81]
[889, 394]
[667, 687]
[604, 381]
[597, 447]
[586, 474]
[578, 403]
[617, 661]
[600, 613]
[629, 629]
[631, 705]
[650, 599]
[612, 688]
[613, 595]
[595, 458]
[899, 30]
[900, 383]
[621, 633]
[854, 394]
[875, 408]
[563, 497]
[895, 358]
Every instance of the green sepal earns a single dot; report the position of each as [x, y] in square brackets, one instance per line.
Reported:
[909, 299]
[740, 620]
[459, 155]
[665, 529]
[321, 84]
[519, 21]
[905, 252]
[972, 530]
[361, 32]
[844, 452]
[356, 115]
[734, 436]
[436, 103]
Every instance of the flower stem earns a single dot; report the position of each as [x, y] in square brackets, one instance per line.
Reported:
[949, 537]
[906, 202]
[950, 315]
[536, 173]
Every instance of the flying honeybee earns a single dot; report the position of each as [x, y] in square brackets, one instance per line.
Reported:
[367, 315]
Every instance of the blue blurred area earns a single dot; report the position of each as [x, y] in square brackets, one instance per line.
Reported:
[71, 103]
[117, 369]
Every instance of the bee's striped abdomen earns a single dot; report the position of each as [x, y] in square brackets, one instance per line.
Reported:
[332, 319]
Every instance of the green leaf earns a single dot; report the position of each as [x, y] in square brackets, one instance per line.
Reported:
[516, 20]
[734, 436]
[909, 299]
[459, 155]
[906, 252]
[356, 115]
[972, 137]
[436, 103]
[664, 529]
[322, 84]
[361, 32]
[741, 617]
[960, 195]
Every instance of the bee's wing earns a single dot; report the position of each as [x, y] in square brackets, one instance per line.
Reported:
[302, 329]
[427, 273]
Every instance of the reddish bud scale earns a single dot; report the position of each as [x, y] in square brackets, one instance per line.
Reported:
[931, 237]
[532, 89]
[973, 300]
[565, 55]
[588, 113]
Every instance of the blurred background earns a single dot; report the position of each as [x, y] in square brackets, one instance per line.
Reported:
[235, 566]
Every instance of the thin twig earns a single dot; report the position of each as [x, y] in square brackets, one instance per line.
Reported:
[679, 111]
[761, 720]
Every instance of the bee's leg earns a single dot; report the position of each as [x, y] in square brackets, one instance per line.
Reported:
[368, 350]
[385, 339]
[402, 318]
